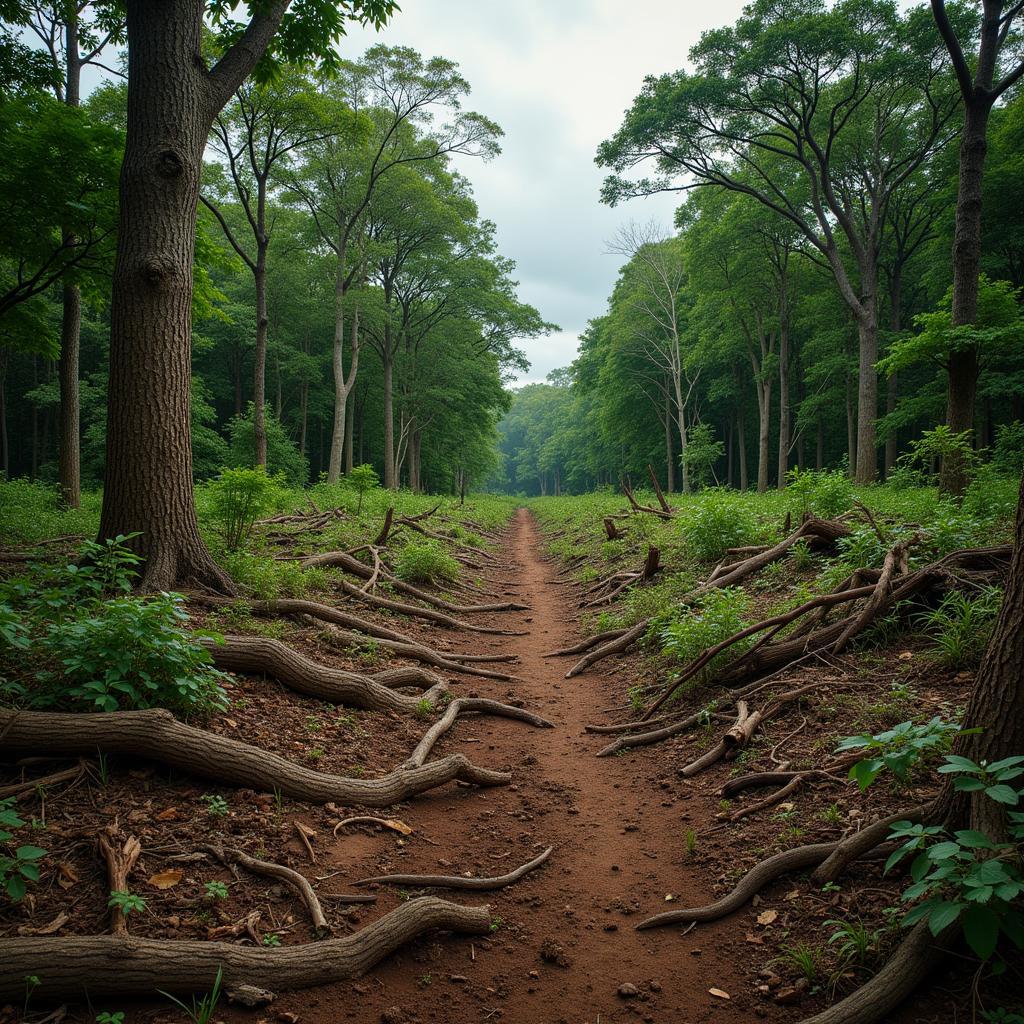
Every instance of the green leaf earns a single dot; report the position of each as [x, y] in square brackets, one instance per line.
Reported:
[956, 763]
[943, 915]
[981, 930]
[1002, 795]
[974, 840]
[16, 888]
[29, 853]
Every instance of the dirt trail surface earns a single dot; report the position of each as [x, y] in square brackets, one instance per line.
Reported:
[565, 948]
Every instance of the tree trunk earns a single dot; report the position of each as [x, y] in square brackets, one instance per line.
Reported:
[303, 416]
[670, 464]
[784, 408]
[259, 373]
[851, 428]
[867, 401]
[415, 449]
[764, 409]
[730, 433]
[819, 447]
[69, 471]
[962, 384]
[994, 721]
[390, 478]
[148, 487]
[741, 449]
[350, 424]
[5, 452]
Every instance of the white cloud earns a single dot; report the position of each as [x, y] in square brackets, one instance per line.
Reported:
[557, 76]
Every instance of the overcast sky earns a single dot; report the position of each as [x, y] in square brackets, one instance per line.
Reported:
[557, 76]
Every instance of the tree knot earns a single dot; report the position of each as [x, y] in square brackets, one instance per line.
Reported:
[169, 164]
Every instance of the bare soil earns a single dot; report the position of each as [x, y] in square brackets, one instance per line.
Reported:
[630, 836]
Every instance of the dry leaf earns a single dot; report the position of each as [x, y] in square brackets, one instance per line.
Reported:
[166, 879]
[793, 894]
[905, 655]
[231, 723]
[46, 929]
[767, 916]
[170, 814]
[68, 875]
[755, 939]
[398, 826]
[669, 897]
[786, 807]
[719, 993]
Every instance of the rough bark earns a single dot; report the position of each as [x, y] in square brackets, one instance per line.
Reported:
[108, 965]
[157, 736]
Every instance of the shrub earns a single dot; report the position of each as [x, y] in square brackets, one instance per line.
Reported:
[991, 495]
[715, 525]
[1008, 451]
[20, 866]
[715, 618]
[238, 497]
[283, 456]
[78, 637]
[425, 562]
[362, 479]
[826, 493]
[131, 652]
[950, 528]
[703, 450]
[268, 579]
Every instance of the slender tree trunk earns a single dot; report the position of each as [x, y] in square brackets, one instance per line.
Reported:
[5, 451]
[784, 367]
[69, 472]
[303, 416]
[343, 383]
[851, 428]
[670, 462]
[415, 448]
[259, 372]
[867, 402]
[350, 423]
[764, 409]
[963, 369]
[390, 478]
[148, 487]
[730, 433]
[741, 449]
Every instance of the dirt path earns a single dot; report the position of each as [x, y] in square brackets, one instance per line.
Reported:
[565, 941]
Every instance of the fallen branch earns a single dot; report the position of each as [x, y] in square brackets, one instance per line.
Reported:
[132, 966]
[120, 858]
[460, 881]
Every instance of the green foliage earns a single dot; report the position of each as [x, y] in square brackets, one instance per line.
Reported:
[201, 1010]
[215, 890]
[110, 1017]
[362, 478]
[717, 616]
[284, 460]
[803, 958]
[216, 805]
[1008, 451]
[268, 579]
[425, 562]
[825, 493]
[237, 498]
[716, 524]
[968, 876]
[897, 750]
[127, 902]
[703, 450]
[961, 625]
[19, 865]
[77, 638]
[31, 510]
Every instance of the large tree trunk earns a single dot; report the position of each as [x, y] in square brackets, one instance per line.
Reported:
[994, 722]
[764, 409]
[851, 428]
[350, 425]
[148, 484]
[962, 384]
[741, 448]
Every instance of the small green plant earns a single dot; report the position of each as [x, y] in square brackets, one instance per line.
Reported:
[691, 841]
[801, 556]
[801, 957]
[854, 942]
[424, 707]
[832, 815]
[201, 1011]
[425, 562]
[316, 754]
[21, 865]
[110, 1017]
[496, 923]
[362, 479]
[271, 939]
[238, 497]
[716, 617]
[216, 805]
[426, 980]
[897, 750]
[215, 891]
[127, 902]
[715, 524]
[825, 493]
[961, 625]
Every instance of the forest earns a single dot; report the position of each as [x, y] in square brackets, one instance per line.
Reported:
[357, 664]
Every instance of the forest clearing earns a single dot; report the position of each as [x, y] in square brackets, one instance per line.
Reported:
[374, 648]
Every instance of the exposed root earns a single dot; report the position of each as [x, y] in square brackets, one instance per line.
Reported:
[129, 966]
[156, 735]
[620, 643]
[464, 705]
[460, 881]
[227, 855]
[751, 883]
[265, 656]
[68, 775]
[644, 739]
[586, 645]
